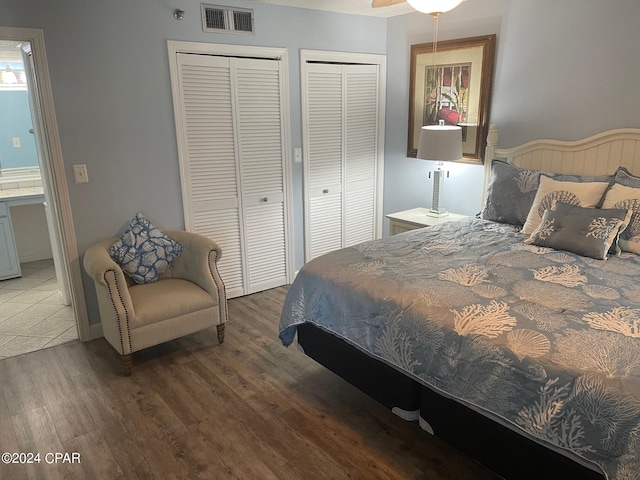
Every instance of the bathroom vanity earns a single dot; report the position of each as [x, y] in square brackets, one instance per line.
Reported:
[9, 259]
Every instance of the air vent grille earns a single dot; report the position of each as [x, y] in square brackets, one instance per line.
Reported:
[223, 19]
[243, 21]
[214, 19]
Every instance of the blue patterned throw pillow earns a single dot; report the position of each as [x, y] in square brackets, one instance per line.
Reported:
[510, 193]
[590, 232]
[143, 251]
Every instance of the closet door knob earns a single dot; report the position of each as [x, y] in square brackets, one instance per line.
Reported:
[264, 199]
[326, 190]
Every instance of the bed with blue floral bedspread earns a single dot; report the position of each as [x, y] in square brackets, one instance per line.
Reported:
[545, 341]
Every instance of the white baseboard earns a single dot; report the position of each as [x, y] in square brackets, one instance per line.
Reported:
[34, 257]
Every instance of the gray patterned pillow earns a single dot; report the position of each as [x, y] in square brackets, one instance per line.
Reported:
[624, 177]
[591, 232]
[143, 251]
[623, 196]
[511, 191]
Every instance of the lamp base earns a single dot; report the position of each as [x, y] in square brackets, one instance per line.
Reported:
[440, 212]
[436, 210]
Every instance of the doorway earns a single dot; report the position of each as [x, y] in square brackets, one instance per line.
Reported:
[46, 301]
[35, 308]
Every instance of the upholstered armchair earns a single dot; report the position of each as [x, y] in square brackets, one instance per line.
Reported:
[188, 297]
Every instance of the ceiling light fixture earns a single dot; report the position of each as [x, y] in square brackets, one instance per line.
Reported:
[434, 7]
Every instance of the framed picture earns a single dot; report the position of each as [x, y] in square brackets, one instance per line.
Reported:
[453, 85]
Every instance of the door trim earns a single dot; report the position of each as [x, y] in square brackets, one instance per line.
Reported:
[54, 171]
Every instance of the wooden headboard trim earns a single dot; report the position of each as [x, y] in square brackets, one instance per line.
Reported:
[599, 154]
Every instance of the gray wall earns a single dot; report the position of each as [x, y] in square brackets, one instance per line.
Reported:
[110, 76]
[567, 69]
[564, 70]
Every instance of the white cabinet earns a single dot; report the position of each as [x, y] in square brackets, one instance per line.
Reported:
[341, 140]
[232, 159]
[9, 263]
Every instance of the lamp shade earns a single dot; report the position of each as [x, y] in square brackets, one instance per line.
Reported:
[434, 6]
[441, 143]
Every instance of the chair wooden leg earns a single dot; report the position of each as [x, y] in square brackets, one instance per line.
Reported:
[127, 364]
[220, 329]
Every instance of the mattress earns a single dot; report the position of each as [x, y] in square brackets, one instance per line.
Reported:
[543, 341]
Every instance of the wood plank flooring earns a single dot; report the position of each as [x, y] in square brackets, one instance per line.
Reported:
[193, 409]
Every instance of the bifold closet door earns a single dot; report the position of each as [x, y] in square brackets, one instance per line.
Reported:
[340, 134]
[232, 165]
[260, 153]
[323, 156]
[210, 170]
[360, 152]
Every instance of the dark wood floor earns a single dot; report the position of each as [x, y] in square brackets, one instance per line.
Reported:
[193, 409]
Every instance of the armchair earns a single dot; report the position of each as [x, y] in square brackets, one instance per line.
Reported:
[190, 296]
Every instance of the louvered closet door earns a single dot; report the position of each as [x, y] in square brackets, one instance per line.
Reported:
[209, 162]
[341, 155]
[324, 151]
[235, 188]
[360, 140]
[259, 122]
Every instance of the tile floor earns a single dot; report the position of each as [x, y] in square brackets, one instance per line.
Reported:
[31, 313]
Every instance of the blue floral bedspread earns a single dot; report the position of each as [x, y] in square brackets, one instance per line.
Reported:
[545, 340]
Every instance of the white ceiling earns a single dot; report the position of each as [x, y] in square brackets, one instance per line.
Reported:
[359, 7]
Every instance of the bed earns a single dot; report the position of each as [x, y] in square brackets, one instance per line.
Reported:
[515, 336]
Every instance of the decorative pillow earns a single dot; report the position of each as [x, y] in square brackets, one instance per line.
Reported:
[590, 232]
[622, 196]
[143, 251]
[624, 177]
[567, 177]
[552, 191]
[511, 191]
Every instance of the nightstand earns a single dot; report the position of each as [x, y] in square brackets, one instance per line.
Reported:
[417, 218]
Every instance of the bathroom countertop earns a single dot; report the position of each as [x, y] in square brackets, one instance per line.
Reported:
[25, 195]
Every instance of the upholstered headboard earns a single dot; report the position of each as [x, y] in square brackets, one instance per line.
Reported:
[600, 154]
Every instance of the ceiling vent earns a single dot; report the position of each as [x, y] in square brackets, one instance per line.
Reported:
[220, 19]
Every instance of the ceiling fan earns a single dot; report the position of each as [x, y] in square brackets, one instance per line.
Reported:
[424, 6]
[385, 3]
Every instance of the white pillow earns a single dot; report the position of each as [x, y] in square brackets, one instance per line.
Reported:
[587, 194]
[621, 196]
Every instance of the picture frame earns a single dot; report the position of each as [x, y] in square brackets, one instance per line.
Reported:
[453, 85]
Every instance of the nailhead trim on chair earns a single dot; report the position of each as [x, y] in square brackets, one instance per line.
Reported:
[224, 288]
[115, 278]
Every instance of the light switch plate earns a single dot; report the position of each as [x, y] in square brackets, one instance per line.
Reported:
[16, 142]
[297, 155]
[80, 174]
